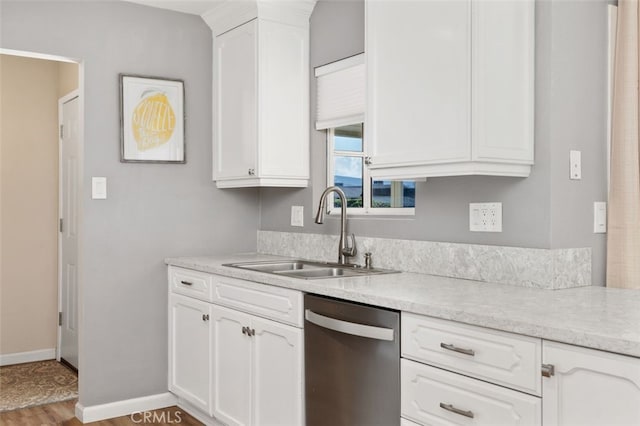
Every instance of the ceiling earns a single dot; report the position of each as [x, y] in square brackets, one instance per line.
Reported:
[195, 7]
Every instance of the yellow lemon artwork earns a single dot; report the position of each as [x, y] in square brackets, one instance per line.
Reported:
[153, 120]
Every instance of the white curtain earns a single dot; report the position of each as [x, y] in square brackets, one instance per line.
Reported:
[623, 239]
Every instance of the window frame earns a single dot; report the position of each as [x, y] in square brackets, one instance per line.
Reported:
[366, 209]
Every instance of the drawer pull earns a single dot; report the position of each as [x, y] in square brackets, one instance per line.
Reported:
[454, 348]
[186, 283]
[453, 409]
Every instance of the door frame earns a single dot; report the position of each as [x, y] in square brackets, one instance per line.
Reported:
[63, 100]
[80, 219]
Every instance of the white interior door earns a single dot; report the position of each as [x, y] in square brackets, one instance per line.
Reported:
[69, 116]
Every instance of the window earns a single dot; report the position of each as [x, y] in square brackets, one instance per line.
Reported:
[347, 169]
[340, 104]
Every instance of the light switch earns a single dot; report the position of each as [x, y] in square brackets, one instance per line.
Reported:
[599, 217]
[297, 215]
[575, 160]
[99, 188]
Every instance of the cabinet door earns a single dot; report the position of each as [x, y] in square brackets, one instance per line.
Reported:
[277, 374]
[234, 102]
[283, 101]
[231, 366]
[503, 92]
[190, 350]
[590, 387]
[418, 81]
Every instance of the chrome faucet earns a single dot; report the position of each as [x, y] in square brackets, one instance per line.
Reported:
[343, 250]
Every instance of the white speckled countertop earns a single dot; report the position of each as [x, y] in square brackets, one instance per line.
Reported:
[594, 317]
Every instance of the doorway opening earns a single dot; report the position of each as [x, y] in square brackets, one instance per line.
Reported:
[40, 182]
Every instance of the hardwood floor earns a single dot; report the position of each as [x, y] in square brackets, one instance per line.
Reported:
[62, 413]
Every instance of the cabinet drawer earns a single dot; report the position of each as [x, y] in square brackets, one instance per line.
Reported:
[280, 304]
[503, 358]
[406, 422]
[434, 396]
[190, 283]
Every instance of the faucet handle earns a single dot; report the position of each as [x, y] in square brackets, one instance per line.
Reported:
[367, 260]
[350, 251]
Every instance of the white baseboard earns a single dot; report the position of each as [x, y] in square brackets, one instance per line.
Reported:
[31, 356]
[111, 410]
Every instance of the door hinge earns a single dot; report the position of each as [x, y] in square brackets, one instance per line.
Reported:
[62, 131]
[61, 224]
[548, 370]
[60, 318]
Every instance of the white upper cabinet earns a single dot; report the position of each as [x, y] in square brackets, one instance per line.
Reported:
[260, 93]
[450, 87]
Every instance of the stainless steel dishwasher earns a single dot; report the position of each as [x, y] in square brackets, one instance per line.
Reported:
[352, 364]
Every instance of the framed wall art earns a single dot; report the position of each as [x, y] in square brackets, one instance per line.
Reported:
[151, 120]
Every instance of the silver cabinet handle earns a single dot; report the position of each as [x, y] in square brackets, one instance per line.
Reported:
[186, 283]
[548, 370]
[252, 172]
[454, 348]
[453, 409]
[355, 329]
[205, 317]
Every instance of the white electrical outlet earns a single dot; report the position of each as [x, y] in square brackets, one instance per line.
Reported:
[485, 217]
[297, 215]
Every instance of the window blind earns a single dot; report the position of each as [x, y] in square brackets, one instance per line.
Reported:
[340, 93]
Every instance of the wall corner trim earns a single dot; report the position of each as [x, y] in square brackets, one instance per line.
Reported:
[125, 407]
[31, 356]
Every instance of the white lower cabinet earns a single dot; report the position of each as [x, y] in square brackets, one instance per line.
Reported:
[434, 396]
[230, 362]
[457, 374]
[231, 367]
[190, 350]
[278, 373]
[590, 387]
[406, 422]
[257, 370]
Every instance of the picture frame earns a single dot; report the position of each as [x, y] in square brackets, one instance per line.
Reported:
[152, 120]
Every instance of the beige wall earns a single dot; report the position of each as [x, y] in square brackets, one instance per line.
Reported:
[29, 92]
[67, 78]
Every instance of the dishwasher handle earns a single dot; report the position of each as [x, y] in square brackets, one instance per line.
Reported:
[371, 332]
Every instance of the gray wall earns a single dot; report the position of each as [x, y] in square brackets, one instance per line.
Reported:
[578, 121]
[545, 210]
[153, 211]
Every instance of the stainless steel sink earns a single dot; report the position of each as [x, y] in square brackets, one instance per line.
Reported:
[273, 266]
[322, 273]
[308, 270]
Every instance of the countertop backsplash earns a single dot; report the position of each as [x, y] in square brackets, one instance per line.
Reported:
[527, 267]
